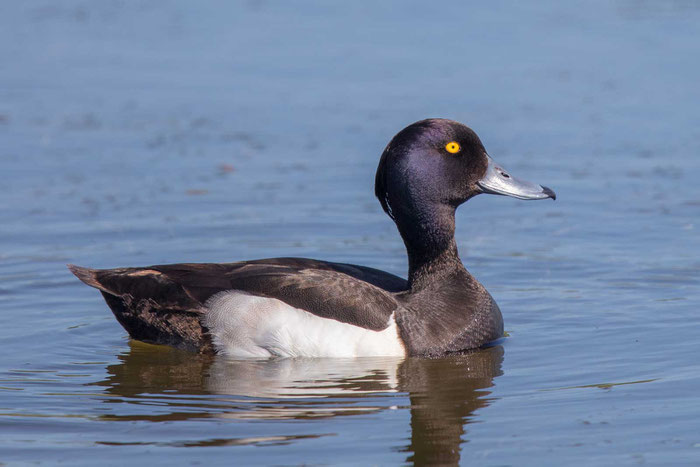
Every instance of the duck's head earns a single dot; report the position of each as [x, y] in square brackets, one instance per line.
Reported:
[438, 163]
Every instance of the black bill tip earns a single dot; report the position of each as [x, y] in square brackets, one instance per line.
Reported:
[549, 192]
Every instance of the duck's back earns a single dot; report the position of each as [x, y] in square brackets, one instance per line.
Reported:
[167, 304]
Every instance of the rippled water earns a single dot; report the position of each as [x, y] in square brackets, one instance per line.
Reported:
[136, 133]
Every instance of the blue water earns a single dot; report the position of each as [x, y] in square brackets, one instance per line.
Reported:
[136, 133]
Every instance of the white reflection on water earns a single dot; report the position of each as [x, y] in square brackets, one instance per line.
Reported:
[441, 395]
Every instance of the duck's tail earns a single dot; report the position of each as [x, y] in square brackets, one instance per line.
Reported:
[151, 306]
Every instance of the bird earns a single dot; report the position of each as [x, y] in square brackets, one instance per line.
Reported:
[299, 307]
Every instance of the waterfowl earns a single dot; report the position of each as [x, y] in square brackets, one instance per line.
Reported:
[297, 307]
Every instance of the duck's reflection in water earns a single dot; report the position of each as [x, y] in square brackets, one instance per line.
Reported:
[443, 393]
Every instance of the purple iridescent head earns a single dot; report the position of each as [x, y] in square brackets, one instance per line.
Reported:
[442, 163]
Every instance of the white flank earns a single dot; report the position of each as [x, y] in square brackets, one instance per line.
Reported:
[243, 325]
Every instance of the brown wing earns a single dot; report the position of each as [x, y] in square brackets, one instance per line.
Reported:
[350, 294]
[163, 304]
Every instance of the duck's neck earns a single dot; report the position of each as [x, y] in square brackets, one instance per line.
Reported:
[428, 233]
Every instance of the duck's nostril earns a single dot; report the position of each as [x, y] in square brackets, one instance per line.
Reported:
[505, 175]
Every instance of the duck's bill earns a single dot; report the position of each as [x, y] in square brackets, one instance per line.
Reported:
[498, 181]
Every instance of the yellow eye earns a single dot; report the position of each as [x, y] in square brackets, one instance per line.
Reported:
[452, 147]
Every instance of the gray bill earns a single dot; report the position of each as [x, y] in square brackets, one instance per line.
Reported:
[499, 182]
